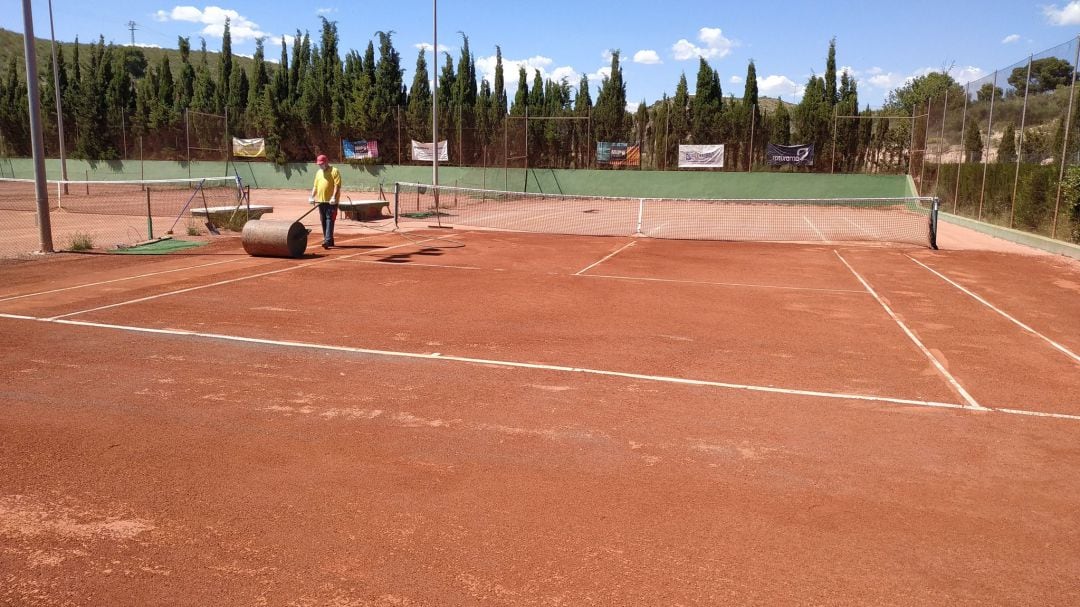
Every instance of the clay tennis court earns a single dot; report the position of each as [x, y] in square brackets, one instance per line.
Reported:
[460, 417]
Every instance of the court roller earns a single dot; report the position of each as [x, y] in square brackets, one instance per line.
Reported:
[273, 238]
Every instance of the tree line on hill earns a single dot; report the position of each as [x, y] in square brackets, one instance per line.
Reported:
[312, 98]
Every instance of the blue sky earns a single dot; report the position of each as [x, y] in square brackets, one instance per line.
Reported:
[881, 44]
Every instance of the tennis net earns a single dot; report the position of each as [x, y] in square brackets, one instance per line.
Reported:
[107, 214]
[907, 220]
[132, 197]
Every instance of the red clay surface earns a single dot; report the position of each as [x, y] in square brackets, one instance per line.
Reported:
[191, 468]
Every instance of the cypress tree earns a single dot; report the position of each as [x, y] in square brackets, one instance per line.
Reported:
[260, 77]
[521, 97]
[186, 89]
[418, 113]
[1007, 148]
[781, 132]
[225, 66]
[705, 106]
[609, 117]
[387, 90]
[499, 100]
[973, 146]
[831, 97]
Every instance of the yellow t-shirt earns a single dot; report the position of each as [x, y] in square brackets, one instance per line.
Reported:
[327, 185]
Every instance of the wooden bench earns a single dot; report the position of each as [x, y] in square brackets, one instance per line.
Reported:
[223, 214]
[360, 210]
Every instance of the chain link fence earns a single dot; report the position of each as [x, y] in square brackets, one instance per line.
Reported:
[1002, 149]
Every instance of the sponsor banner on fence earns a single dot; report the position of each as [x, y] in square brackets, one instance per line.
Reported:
[701, 156]
[422, 151]
[359, 149]
[617, 154]
[249, 148]
[798, 155]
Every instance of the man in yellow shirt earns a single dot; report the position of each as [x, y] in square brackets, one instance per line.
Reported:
[326, 193]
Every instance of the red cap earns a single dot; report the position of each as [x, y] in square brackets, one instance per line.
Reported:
[321, 159]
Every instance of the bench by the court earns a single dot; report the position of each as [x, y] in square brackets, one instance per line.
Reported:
[222, 214]
[359, 210]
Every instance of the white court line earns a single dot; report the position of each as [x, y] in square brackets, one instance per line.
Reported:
[814, 227]
[232, 280]
[609, 256]
[937, 364]
[542, 367]
[723, 284]
[105, 282]
[860, 228]
[1023, 326]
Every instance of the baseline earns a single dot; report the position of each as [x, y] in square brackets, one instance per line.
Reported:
[524, 365]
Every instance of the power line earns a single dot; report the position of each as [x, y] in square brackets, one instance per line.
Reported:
[131, 26]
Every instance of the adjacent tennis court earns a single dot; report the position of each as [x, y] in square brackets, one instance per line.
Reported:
[470, 416]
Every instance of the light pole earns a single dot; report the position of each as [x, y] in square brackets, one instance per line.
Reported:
[41, 189]
[435, 98]
[59, 106]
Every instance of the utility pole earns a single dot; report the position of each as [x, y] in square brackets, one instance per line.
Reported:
[131, 26]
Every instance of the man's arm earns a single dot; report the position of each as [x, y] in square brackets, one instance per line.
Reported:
[337, 186]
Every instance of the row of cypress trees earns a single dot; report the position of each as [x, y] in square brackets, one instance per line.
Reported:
[312, 98]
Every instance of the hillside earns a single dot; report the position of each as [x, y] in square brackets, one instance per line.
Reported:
[11, 45]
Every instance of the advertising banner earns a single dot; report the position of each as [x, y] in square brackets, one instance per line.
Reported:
[422, 151]
[798, 155]
[359, 149]
[249, 148]
[701, 156]
[617, 154]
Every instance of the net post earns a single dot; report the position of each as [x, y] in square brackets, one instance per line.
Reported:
[934, 206]
[640, 214]
[397, 191]
[149, 218]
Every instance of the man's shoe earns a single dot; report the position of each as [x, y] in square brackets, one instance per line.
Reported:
[326, 245]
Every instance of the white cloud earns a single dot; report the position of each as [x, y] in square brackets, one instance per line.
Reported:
[427, 47]
[647, 57]
[213, 20]
[142, 45]
[969, 74]
[715, 45]
[737, 80]
[485, 67]
[1067, 15]
[779, 86]
[325, 11]
[1010, 39]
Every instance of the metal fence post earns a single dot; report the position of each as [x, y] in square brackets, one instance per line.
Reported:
[1065, 144]
[963, 152]
[1020, 148]
[986, 152]
[941, 141]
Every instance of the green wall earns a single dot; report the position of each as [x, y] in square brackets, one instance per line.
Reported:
[632, 184]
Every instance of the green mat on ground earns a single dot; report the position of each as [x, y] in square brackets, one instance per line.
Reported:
[161, 247]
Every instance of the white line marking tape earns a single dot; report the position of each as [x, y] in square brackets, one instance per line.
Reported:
[105, 282]
[979, 299]
[933, 359]
[619, 250]
[232, 280]
[723, 284]
[512, 364]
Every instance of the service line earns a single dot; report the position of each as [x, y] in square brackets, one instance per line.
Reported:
[233, 280]
[971, 402]
[1054, 344]
[723, 284]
